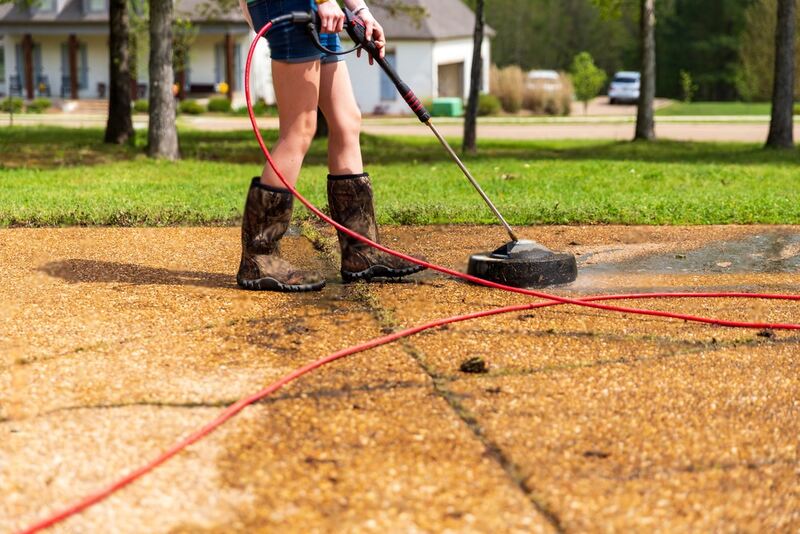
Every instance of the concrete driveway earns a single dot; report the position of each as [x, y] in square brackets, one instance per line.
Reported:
[116, 342]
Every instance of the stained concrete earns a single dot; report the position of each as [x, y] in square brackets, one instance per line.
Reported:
[116, 342]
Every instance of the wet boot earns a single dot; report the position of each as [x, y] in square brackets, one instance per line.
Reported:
[350, 203]
[266, 218]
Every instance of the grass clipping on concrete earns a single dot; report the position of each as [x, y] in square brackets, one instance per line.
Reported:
[53, 176]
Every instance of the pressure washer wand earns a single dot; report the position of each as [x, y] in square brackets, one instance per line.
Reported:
[356, 29]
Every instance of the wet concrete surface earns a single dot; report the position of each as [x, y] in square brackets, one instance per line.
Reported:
[116, 342]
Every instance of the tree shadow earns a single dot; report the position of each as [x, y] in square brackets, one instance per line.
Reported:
[78, 271]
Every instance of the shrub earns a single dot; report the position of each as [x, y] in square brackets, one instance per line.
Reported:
[39, 105]
[688, 87]
[508, 85]
[191, 107]
[141, 106]
[587, 78]
[259, 108]
[488, 105]
[11, 105]
[219, 105]
[542, 101]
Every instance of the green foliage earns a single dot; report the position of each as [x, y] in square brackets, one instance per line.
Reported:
[191, 107]
[587, 78]
[141, 106]
[547, 34]
[710, 109]
[688, 87]
[39, 105]
[488, 105]
[11, 105]
[704, 38]
[219, 105]
[755, 71]
[260, 108]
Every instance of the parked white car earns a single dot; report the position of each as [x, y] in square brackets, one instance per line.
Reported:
[625, 88]
[548, 81]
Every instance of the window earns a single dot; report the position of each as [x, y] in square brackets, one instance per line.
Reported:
[388, 90]
[95, 6]
[83, 66]
[2, 64]
[220, 65]
[46, 6]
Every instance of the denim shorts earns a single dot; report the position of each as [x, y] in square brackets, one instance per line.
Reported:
[289, 42]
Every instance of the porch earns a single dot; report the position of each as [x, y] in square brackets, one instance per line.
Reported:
[57, 66]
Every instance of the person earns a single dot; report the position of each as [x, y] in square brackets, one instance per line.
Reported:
[305, 78]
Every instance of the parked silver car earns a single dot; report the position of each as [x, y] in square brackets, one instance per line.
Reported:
[625, 88]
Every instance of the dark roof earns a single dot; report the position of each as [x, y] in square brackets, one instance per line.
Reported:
[71, 12]
[443, 19]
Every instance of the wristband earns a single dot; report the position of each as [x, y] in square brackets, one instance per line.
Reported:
[360, 9]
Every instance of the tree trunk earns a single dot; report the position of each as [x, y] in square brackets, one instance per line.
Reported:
[119, 128]
[27, 59]
[476, 77]
[645, 115]
[781, 128]
[162, 135]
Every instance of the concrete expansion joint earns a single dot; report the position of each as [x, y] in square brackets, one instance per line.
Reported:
[224, 403]
[363, 294]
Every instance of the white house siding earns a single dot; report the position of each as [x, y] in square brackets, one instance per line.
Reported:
[96, 61]
[414, 63]
[98, 64]
[460, 51]
[202, 60]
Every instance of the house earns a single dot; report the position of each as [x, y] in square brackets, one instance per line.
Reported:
[433, 55]
[59, 49]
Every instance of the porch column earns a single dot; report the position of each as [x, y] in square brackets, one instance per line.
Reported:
[229, 64]
[27, 63]
[73, 66]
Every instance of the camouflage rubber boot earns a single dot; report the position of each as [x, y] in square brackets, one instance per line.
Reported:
[266, 218]
[350, 203]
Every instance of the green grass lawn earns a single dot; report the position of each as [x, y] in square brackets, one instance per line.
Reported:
[716, 109]
[52, 176]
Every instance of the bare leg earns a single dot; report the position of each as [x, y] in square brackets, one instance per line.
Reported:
[297, 93]
[338, 104]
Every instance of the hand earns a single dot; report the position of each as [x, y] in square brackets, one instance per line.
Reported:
[374, 32]
[332, 17]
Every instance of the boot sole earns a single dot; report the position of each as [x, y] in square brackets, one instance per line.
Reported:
[379, 271]
[270, 284]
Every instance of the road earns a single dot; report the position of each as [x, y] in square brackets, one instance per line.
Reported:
[744, 129]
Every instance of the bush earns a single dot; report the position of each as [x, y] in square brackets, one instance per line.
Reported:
[488, 105]
[141, 106]
[688, 87]
[191, 107]
[219, 105]
[542, 101]
[797, 109]
[508, 85]
[259, 108]
[587, 78]
[39, 105]
[8, 105]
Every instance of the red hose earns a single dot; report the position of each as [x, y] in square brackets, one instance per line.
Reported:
[551, 300]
